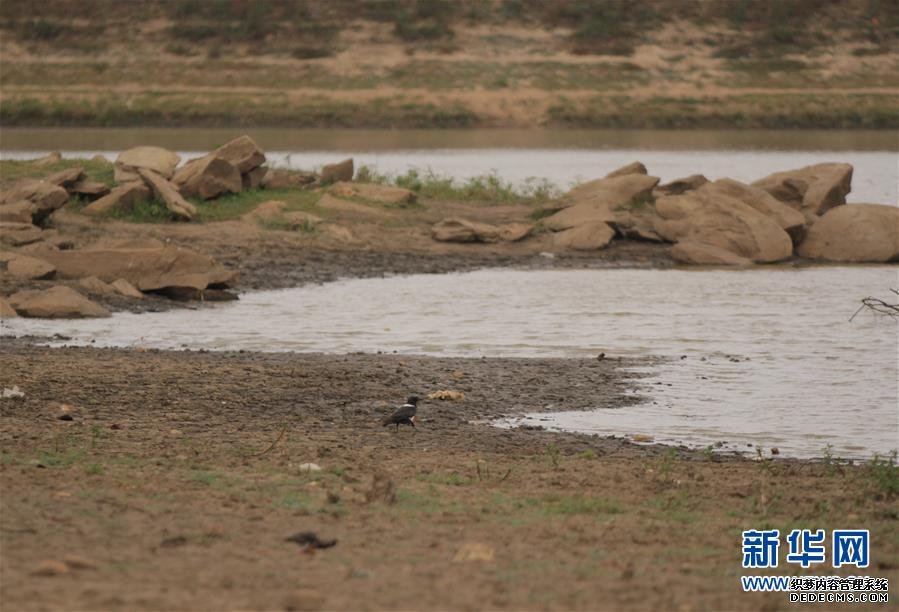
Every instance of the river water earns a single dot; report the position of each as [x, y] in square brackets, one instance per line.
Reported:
[765, 356]
[563, 157]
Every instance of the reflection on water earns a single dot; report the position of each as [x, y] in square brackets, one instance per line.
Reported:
[769, 356]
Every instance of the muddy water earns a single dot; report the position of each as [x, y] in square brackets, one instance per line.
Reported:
[765, 357]
[563, 157]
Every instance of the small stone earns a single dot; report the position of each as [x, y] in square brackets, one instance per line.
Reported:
[50, 567]
[310, 467]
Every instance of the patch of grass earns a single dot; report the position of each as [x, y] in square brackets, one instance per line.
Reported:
[587, 455]
[788, 110]
[61, 458]
[488, 188]
[231, 109]
[453, 479]
[883, 474]
[576, 504]
[14, 170]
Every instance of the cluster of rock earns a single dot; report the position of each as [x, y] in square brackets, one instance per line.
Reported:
[722, 222]
[127, 268]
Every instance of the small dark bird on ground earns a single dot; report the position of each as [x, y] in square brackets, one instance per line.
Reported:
[405, 415]
[309, 540]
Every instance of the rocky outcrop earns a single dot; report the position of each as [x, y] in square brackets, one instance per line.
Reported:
[126, 289]
[383, 194]
[58, 302]
[65, 178]
[286, 179]
[7, 311]
[462, 230]
[632, 168]
[612, 192]
[789, 219]
[854, 233]
[88, 189]
[48, 160]
[579, 214]
[812, 189]
[708, 217]
[148, 265]
[26, 267]
[19, 234]
[636, 223]
[270, 209]
[122, 197]
[243, 153]
[95, 286]
[179, 207]
[608, 202]
[683, 185]
[18, 212]
[161, 161]
[341, 171]
[253, 178]
[208, 177]
[698, 253]
[587, 237]
[45, 196]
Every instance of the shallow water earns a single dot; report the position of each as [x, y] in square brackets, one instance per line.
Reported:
[771, 358]
[563, 157]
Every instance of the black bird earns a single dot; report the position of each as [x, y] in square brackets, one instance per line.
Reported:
[405, 415]
[309, 540]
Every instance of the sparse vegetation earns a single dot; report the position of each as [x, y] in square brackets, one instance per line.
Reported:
[486, 188]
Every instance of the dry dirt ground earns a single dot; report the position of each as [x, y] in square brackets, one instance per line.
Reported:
[178, 478]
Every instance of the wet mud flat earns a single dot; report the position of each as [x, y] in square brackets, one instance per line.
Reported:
[142, 479]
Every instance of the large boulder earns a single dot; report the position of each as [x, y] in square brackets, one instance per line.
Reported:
[243, 153]
[709, 217]
[122, 197]
[161, 161]
[632, 168]
[95, 286]
[88, 189]
[636, 223]
[579, 214]
[25, 266]
[19, 234]
[587, 237]
[462, 230]
[253, 178]
[611, 192]
[208, 177]
[7, 311]
[384, 194]
[266, 211]
[341, 171]
[165, 191]
[698, 253]
[48, 160]
[286, 179]
[45, 196]
[66, 177]
[812, 189]
[789, 219]
[683, 185]
[148, 265]
[18, 212]
[57, 302]
[854, 233]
